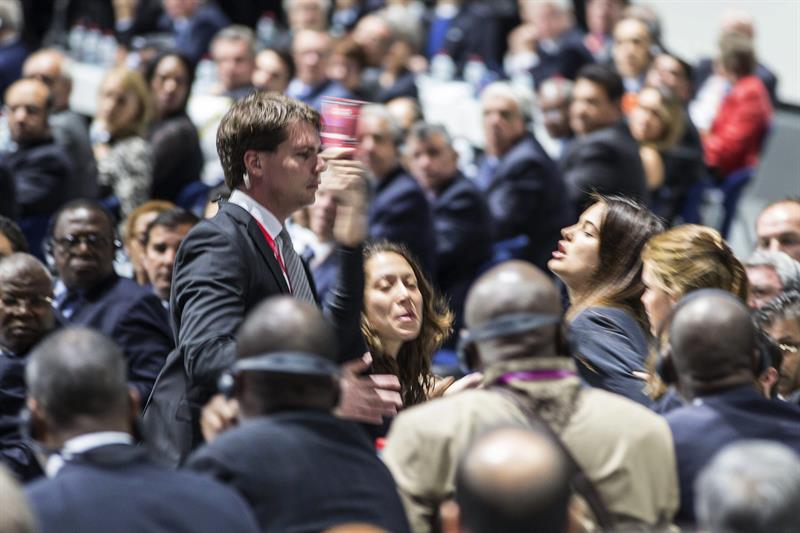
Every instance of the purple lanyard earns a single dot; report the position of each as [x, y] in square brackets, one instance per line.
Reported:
[535, 375]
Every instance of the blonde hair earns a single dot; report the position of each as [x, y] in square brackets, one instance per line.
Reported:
[687, 258]
[670, 112]
[134, 82]
[691, 257]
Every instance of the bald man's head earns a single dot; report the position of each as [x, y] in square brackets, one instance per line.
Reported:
[512, 478]
[713, 342]
[283, 323]
[26, 314]
[512, 288]
[50, 66]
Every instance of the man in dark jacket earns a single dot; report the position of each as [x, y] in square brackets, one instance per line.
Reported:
[604, 157]
[99, 481]
[321, 471]
[522, 186]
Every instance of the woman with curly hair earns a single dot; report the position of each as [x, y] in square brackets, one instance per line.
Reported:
[404, 321]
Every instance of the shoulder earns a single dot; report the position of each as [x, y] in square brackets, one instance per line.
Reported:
[527, 151]
[598, 407]
[606, 319]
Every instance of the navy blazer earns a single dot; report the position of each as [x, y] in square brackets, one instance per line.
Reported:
[224, 269]
[15, 452]
[41, 172]
[133, 317]
[610, 345]
[194, 38]
[711, 421]
[305, 471]
[526, 196]
[606, 161]
[117, 488]
[400, 212]
[463, 239]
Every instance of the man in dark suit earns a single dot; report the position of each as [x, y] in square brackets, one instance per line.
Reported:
[520, 182]
[399, 211]
[26, 317]
[80, 406]
[713, 358]
[460, 215]
[89, 293]
[310, 51]
[193, 25]
[269, 148]
[604, 157]
[323, 471]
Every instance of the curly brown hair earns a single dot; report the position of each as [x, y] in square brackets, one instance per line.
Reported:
[412, 366]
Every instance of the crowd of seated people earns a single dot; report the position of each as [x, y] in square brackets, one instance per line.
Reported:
[210, 320]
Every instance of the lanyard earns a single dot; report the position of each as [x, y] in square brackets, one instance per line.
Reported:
[274, 248]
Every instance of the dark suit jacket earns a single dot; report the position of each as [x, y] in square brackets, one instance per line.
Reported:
[134, 318]
[193, 40]
[463, 240]
[605, 161]
[610, 346]
[700, 429]
[177, 157]
[305, 471]
[41, 171]
[526, 196]
[564, 61]
[15, 452]
[224, 268]
[399, 212]
[329, 88]
[117, 488]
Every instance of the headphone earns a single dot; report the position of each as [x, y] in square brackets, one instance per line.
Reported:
[665, 366]
[287, 363]
[504, 326]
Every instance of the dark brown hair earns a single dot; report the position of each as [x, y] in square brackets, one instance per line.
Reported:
[737, 54]
[259, 121]
[626, 227]
[412, 366]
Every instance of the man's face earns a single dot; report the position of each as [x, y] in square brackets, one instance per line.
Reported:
[765, 284]
[290, 175]
[666, 71]
[47, 68]
[432, 161]
[83, 248]
[26, 111]
[310, 50]
[6, 248]
[270, 73]
[786, 332]
[778, 228]
[555, 114]
[306, 15]
[376, 146]
[322, 216]
[601, 15]
[26, 314]
[503, 124]
[591, 109]
[631, 48]
[159, 256]
[235, 63]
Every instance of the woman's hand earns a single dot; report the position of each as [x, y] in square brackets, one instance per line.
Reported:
[470, 381]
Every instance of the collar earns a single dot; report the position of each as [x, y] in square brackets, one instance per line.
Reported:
[82, 444]
[382, 183]
[258, 211]
[61, 292]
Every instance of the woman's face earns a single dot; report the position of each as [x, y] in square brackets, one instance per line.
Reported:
[645, 121]
[118, 108]
[392, 300]
[170, 85]
[578, 255]
[135, 242]
[657, 302]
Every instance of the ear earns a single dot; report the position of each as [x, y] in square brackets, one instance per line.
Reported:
[252, 162]
[37, 425]
[767, 380]
[450, 517]
[134, 403]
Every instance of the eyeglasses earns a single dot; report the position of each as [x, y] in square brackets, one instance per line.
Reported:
[70, 242]
[35, 303]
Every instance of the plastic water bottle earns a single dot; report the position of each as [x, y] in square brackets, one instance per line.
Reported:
[75, 41]
[474, 72]
[265, 28]
[206, 75]
[91, 46]
[442, 67]
[107, 54]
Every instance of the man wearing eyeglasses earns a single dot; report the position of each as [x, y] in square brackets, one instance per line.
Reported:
[89, 293]
[780, 319]
[26, 317]
[40, 167]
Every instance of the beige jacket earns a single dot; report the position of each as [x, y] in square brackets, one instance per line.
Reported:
[625, 449]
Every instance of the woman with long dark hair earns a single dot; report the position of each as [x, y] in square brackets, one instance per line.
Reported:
[598, 259]
[403, 321]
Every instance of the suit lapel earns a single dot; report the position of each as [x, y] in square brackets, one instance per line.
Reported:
[266, 252]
